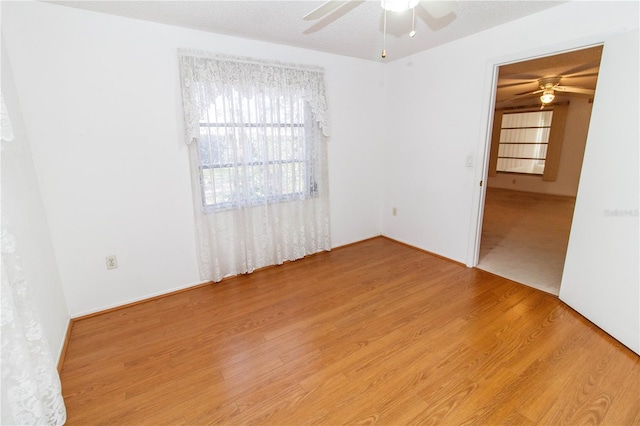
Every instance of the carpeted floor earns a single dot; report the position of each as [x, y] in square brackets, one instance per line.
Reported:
[525, 237]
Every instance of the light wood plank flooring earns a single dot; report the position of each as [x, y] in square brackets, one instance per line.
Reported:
[375, 333]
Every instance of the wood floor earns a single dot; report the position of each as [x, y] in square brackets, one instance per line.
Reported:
[373, 333]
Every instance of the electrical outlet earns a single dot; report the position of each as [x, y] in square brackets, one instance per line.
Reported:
[112, 262]
[394, 211]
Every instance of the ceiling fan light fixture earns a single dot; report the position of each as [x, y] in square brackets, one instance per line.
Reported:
[398, 5]
[547, 96]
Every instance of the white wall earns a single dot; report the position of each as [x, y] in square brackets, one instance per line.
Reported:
[440, 102]
[101, 99]
[575, 138]
[24, 217]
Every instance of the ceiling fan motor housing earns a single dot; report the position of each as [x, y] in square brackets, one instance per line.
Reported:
[549, 82]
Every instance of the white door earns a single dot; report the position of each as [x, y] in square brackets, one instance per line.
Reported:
[601, 277]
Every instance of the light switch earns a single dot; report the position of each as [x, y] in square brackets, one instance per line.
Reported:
[469, 162]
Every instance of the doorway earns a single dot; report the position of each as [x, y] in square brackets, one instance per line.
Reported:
[534, 167]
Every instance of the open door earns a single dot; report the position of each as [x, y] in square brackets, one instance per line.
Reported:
[601, 278]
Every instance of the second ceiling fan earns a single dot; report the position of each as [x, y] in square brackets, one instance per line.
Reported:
[573, 72]
[548, 87]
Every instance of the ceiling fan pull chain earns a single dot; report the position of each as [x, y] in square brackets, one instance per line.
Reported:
[384, 36]
[413, 24]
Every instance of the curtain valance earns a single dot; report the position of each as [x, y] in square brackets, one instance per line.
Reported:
[204, 74]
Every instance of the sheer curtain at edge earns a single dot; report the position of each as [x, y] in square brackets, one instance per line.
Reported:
[257, 135]
[31, 390]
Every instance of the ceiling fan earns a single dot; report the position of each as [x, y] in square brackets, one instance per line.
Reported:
[437, 9]
[548, 87]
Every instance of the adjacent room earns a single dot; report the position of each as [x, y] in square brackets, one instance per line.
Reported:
[537, 146]
[295, 212]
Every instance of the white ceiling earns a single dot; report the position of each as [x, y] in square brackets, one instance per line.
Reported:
[354, 29]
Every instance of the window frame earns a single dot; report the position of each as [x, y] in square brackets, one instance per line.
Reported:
[310, 184]
[533, 143]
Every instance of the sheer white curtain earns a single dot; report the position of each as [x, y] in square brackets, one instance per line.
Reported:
[31, 391]
[257, 135]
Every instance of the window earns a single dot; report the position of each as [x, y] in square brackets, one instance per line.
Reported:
[524, 139]
[257, 133]
[255, 150]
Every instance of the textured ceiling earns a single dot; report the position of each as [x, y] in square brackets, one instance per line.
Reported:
[354, 29]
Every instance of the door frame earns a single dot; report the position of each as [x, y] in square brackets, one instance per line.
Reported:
[484, 141]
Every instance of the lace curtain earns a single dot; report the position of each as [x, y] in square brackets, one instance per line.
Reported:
[257, 135]
[31, 390]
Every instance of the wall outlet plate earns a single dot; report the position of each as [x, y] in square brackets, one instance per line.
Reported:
[112, 262]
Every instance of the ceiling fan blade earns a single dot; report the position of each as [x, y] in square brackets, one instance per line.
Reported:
[573, 76]
[569, 89]
[524, 78]
[439, 9]
[324, 9]
[581, 68]
[529, 93]
[522, 83]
